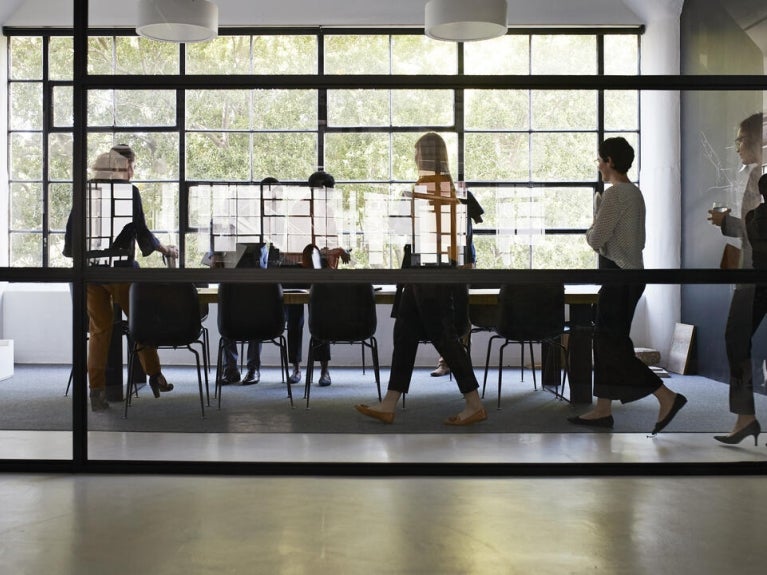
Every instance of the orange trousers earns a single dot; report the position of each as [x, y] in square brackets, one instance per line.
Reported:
[101, 301]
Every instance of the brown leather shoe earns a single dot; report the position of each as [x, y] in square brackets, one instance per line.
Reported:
[382, 416]
[475, 417]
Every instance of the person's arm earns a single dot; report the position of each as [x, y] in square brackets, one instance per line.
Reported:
[147, 241]
[605, 220]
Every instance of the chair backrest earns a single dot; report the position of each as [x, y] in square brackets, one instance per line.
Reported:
[342, 312]
[531, 311]
[164, 314]
[250, 311]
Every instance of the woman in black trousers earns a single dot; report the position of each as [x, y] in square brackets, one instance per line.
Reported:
[430, 311]
[618, 236]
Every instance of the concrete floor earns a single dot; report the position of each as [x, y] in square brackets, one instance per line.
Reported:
[116, 525]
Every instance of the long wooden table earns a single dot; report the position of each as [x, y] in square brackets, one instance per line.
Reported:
[578, 298]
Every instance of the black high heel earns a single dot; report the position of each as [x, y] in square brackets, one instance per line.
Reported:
[752, 428]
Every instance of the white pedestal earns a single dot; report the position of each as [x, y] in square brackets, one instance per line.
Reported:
[6, 358]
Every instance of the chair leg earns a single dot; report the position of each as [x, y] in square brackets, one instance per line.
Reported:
[376, 366]
[487, 362]
[217, 386]
[500, 372]
[199, 376]
[69, 382]
[284, 362]
[131, 367]
[309, 371]
[362, 351]
[532, 365]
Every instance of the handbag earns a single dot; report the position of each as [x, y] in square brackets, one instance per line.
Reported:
[730, 257]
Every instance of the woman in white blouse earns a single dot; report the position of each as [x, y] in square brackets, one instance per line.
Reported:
[618, 236]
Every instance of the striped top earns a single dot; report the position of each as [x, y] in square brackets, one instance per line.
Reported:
[618, 231]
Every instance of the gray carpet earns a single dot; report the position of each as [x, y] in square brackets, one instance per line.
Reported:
[33, 399]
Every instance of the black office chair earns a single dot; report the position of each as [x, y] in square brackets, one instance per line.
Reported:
[342, 313]
[531, 313]
[251, 312]
[165, 315]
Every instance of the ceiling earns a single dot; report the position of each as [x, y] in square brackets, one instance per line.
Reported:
[404, 13]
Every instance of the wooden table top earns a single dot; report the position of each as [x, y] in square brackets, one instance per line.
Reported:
[574, 295]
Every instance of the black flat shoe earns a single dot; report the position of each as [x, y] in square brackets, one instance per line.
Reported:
[752, 428]
[679, 402]
[606, 421]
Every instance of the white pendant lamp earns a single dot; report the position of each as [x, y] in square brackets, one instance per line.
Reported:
[465, 20]
[181, 21]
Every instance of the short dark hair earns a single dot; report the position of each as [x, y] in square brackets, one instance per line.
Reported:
[619, 151]
[125, 151]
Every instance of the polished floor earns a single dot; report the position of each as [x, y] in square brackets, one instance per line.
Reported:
[93, 524]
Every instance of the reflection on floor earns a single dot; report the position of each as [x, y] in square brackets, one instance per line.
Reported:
[124, 525]
[558, 448]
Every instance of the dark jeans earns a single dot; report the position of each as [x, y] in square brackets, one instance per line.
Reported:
[294, 315]
[618, 372]
[747, 309]
[427, 311]
[231, 356]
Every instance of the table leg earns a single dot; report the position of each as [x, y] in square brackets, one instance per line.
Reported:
[579, 343]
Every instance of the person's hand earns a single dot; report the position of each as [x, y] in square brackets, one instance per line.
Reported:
[169, 251]
[716, 216]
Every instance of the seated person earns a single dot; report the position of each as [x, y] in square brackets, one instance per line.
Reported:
[231, 361]
[311, 257]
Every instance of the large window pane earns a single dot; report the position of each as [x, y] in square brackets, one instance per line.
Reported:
[563, 156]
[284, 54]
[358, 156]
[26, 206]
[422, 107]
[217, 156]
[26, 154]
[288, 156]
[26, 58]
[60, 150]
[498, 156]
[507, 55]
[59, 205]
[285, 109]
[26, 105]
[100, 55]
[496, 109]
[218, 109]
[63, 107]
[564, 110]
[390, 108]
[228, 55]
[60, 58]
[563, 252]
[621, 110]
[26, 250]
[422, 55]
[563, 54]
[357, 55]
[132, 108]
[621, 54]
[359, 108]
[138, 55]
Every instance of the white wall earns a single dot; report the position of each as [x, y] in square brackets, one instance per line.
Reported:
[660, 176]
